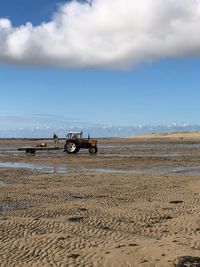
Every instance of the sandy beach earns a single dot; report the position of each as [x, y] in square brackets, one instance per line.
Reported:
[136, 203]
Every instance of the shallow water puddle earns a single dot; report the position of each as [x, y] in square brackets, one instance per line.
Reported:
[55, 169]
[75, 197]
[142, 155]
[5, 207]
[194, 170]
[35, 167]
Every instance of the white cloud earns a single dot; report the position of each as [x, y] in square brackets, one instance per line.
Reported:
[108, 34]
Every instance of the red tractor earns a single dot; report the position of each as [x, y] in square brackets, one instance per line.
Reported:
[75, 141]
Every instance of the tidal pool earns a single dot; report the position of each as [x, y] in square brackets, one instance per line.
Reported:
[5, 207]
[2, 183]
[193, 170]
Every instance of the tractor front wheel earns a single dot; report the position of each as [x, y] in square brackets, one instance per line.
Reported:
[93, 150]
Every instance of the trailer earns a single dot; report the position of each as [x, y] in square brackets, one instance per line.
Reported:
[32, 150]
[73, 143]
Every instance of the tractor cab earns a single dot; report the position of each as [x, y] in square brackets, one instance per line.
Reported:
[75, 135]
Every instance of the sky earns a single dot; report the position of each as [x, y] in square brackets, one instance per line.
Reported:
[65, 63]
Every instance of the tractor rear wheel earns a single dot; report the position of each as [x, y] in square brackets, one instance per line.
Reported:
[72, 147]
[93, 150]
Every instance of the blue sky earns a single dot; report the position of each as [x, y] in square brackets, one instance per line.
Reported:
[161, 92]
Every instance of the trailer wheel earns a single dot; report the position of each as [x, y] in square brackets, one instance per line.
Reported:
[30, 150]
[93, 150]
[72, 147]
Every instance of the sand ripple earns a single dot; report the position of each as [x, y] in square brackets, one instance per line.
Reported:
[98, 219]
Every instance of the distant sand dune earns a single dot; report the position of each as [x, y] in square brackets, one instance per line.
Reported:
[187, 135]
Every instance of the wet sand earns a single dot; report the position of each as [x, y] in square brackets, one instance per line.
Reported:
[98, 218]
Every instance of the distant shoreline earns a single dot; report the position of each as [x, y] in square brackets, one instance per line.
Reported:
[173, 135]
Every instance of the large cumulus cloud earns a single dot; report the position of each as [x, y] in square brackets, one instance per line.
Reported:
[106, 34]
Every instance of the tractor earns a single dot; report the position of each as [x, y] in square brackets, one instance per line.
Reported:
[75, 141]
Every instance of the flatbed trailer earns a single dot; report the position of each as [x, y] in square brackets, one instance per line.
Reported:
[32, 150]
